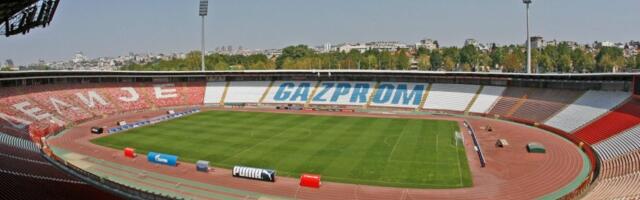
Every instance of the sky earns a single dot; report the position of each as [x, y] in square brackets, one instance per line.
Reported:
[116, 27]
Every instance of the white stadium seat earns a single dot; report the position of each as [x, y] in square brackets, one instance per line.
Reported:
[588, 107]
[487, 97]
[619, 144]
[450, 96]
[213, 92]
[246, 91]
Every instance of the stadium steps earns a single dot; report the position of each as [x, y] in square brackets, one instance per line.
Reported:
[224, 93]
[473, 100]
[18, 143]
[370, 98]
[620, 144]
[266, 92]
[517, 106]
[614, 122]
[425, 96]
[313, 94]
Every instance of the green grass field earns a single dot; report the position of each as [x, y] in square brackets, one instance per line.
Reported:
[410, 153]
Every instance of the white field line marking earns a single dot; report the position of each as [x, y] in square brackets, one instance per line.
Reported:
[395, 145]
[436, 143]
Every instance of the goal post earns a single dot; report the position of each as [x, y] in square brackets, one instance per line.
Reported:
[459, 138]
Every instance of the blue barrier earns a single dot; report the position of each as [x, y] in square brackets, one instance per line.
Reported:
[164, 159]
[152, 121]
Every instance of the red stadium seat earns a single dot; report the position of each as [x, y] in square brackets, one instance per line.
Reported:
[616, 121]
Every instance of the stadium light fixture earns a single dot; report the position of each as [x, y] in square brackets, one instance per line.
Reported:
[527, 2]
[204, 7]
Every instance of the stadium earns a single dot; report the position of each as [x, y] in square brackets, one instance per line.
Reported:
[315, 134]
[366, 134]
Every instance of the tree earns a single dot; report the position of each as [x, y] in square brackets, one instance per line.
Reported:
[469, 55]
[564, 63]
[449, 64]
[402, 61]
[513, 62]
[582, 61]
[497, 57]
[422, 51]
[485, 61]
[372, 62]
[453, 53]
[436, 60]
[608, 59]
[424, 62]
[221, 66]
[293, 52]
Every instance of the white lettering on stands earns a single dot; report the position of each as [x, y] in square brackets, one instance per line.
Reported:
[61, 104]
[14, 121]
[93, 95]
[31, 112]
[134, 95]
[164, 93]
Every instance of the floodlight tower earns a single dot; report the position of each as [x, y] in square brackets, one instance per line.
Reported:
[527, 2]
[204, 5]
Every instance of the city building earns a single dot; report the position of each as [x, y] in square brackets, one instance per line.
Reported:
[537, 42]
[349, 47]
[427, 44]
[472, 42]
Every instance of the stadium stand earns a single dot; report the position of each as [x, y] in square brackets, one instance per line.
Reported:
[214, 91]
[454, 97]
[128, 96]
[26, 175]
[588, 107]
[616, 121]
[162, 94]
[18, 143]
[246, 91]
[326, 93]
[486, 99]
[541, 104]
[622, 187]
[621, 165]
[192, 92]
[620, 144]
[294, 92]
[533, 104]
[398, 94]
[40, 119]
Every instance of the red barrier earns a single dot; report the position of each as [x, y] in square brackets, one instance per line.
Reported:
[129, 152]
[310, 180]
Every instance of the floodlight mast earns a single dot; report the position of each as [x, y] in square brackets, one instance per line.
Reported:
[204, 5]
[527, 2]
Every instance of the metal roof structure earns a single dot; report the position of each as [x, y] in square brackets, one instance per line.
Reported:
[20, 16]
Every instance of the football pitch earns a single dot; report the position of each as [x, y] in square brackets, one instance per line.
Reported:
[413, 153]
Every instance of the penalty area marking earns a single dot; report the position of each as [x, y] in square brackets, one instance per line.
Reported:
[395, 145]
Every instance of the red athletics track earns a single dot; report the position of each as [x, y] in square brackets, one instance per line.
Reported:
[511, 172]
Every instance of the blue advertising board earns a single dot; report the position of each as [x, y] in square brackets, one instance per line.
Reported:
[164, 159]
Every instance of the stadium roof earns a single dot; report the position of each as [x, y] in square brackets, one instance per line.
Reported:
[9, 8]
[20, 16]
